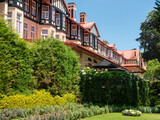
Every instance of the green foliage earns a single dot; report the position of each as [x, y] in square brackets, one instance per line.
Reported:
[150, 35]
[46, 64]
[153, 70]
[114, 88]
[56, 67]
[132, 112]
[39, 98]
[16, 61]
[68, 112]
[154, 93]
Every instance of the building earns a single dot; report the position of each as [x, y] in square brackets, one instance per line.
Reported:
[34, 19]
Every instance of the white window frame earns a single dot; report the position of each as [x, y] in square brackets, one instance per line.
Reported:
[25, 34]
[74, 29]
[64, 21]
[58, 19]
[18, 22]
[44, 35]
[86, 38]
[9, 18]
[33, 8]
[53, 14]
[32, 32]
[45, 13]
[26, 5]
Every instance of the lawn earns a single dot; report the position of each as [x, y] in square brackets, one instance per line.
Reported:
[119, 116]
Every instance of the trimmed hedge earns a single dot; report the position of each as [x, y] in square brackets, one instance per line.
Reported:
[154, 93]
[114, 88]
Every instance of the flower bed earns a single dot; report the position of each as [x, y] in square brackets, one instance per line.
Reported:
[132, 113]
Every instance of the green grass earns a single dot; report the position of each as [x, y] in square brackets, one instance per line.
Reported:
[119, 116]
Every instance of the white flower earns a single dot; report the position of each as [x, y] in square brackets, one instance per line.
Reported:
[106, 69]
[83, 73]
[101, 71]
[90, 78]
[82, 70]
[88, 68]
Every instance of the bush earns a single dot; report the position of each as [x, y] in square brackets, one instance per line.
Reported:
[16, 63]
[40, 98]
[131, 113]
[154, 94]
[45, 64]
[113, 88]
[68, 112]
[56, 67]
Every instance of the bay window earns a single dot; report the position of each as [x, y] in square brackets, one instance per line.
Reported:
[45, 12]
[86, 37]
[52, 34]
[26, 5]
[53, 14]
[64, 21]
[32, 32]
[74, 30]
[18, 23]
[33, 8]
[58, 19]
[9, 18]
[44, 34]
[25, 33]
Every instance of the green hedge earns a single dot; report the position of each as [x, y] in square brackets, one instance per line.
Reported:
[114, 88]
[154, 93]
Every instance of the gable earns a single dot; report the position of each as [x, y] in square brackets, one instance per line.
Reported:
[60, 4]
[94, 30]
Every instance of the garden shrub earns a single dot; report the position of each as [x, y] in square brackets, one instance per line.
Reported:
[113, 88]
[154, 93]
[132, 113]
[71, 111]
[56, 67]
[44, 64]
[40, 98]
[16, 61]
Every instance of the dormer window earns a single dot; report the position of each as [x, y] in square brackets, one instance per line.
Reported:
[33, 8]
[74, 30]
[58, 19]
[45, 12]
[86, 38]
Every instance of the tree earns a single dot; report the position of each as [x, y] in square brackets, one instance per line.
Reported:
[105, 41]
[56, 67]
[16, 63]
[153, 70]
[150, 34]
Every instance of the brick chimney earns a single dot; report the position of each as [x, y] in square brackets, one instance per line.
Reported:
[83, 17]
[72, 10]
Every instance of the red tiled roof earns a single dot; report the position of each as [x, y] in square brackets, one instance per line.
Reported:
[130, 54]
[78, 24]
[111, 45]
[89, 25]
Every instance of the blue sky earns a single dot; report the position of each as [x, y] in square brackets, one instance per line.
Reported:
[118, 21]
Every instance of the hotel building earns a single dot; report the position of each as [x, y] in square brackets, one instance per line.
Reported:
[33, 19]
